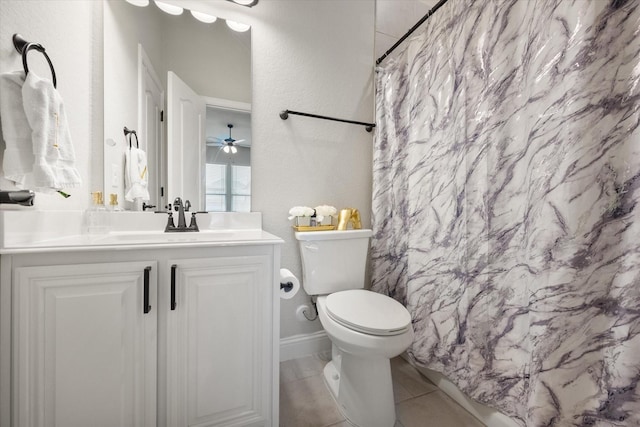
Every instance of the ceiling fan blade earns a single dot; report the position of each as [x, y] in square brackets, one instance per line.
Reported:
[238, 141]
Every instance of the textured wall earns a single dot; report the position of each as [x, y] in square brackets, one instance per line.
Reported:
[315, 57]
[76, 53]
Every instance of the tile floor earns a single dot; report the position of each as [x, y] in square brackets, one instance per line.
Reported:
[305, 401]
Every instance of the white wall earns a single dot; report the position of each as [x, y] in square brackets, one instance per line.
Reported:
[394, 18]
[314, 57]
[71, 33]
[311, 56]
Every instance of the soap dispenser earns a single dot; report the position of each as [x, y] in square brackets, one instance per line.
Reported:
[96, 216]
[113, 203]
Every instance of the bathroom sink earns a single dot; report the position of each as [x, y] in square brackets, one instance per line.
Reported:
[39, 231]
[161, 237]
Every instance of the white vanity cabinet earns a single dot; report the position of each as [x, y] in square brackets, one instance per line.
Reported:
[219, 340]
[175, 336]
[83, 347]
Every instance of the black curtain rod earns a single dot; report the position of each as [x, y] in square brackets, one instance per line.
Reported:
[408, 33]
[284, 115]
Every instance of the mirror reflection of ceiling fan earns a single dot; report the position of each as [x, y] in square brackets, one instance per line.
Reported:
[228, 145]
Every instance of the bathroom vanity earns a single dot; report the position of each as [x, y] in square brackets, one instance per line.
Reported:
[139, 327]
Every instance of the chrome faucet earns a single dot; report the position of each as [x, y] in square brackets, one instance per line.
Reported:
[17, 197]
[182, 224]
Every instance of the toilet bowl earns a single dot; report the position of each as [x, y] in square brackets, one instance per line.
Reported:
[366, 328]
[359, 373]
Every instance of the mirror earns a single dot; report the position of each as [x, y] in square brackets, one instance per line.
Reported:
[179, 83]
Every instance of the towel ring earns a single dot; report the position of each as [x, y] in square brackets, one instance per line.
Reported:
[128, 133]
[23, 47]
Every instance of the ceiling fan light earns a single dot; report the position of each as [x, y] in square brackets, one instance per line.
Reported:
[169, 8]
[204, 17]
[226, 149]
[139, 3]
[237, 26]
[234, 150]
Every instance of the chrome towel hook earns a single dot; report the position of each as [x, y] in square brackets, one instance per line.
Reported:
[23, 47]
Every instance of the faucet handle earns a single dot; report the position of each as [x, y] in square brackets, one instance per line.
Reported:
[193, 225]
[187, 205]
[170, 224]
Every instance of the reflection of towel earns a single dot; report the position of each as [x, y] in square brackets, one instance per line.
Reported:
[18, 160]
[54, 165]
[135, 174]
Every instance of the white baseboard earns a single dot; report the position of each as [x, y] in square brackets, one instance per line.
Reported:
[304, 345]
[488, 416]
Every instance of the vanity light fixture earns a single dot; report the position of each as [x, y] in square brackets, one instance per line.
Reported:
[139, 3]
[169, 8]
[237, 26]
[248, 3]
[204, 17]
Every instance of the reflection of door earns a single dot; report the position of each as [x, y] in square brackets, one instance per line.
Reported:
[151, 102]
[186, 118]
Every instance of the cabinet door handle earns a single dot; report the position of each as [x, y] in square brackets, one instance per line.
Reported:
[146, 307]
[173, 286]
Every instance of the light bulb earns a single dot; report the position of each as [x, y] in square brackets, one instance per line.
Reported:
[234, 150]
[169, 8]
[237, 26]
[139, 3]
[204, 17]
[226, 149]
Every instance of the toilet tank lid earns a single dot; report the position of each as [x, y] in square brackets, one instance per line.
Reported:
[333, 235]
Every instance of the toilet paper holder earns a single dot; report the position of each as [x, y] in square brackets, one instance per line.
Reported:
[287, 286]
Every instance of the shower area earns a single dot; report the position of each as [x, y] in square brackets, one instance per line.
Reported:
[506, 204]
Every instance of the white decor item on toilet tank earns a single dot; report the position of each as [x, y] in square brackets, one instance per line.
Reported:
[366, 328]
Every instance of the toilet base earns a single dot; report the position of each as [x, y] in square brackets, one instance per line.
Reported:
[362, 388]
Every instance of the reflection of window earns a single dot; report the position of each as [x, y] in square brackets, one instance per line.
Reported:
[228, 188]
[241, 188]
[216, 187]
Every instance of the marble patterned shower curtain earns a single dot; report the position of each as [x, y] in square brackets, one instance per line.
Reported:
[506, 207]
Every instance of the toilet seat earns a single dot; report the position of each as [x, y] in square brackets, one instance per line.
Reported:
[368, 312]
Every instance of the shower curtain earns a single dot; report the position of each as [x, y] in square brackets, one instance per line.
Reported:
[506, 204]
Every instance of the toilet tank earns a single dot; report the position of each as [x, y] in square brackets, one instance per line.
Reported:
[333, 261]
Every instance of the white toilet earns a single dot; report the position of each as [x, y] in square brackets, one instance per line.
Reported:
[366, 328]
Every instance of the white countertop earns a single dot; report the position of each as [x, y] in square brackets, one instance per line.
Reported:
[33, 231]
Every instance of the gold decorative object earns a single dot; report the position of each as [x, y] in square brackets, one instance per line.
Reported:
[349, 215]
[315, 228]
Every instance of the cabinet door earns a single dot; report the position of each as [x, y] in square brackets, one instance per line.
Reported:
[219, 343]
[84, 348]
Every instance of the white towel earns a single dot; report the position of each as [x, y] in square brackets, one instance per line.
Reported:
[18, 159]
[54, 157]
[135, 174]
